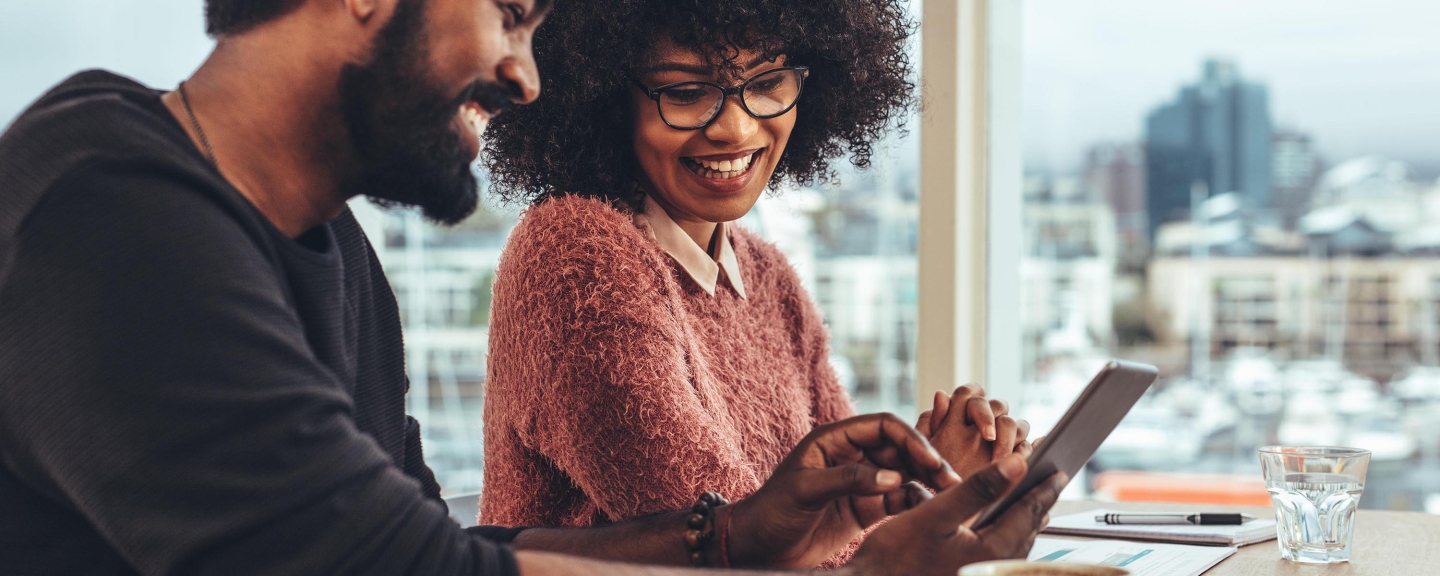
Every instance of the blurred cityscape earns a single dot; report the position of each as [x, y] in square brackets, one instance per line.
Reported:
[1287, 297]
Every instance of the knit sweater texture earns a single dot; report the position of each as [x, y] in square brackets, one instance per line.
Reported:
[617, 387]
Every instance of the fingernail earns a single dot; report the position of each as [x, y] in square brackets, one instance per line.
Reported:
[990, 433]
[1011, 467]
[887, 478]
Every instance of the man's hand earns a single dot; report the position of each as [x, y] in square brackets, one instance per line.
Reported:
[841, 479]
[932, 538]
[972, 431]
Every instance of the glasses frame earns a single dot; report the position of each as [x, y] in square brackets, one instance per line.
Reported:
[725, 94]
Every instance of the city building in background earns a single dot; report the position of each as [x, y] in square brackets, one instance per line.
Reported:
[1115, 173]
[1296, 166]
[1216, 131]
[1285, 300]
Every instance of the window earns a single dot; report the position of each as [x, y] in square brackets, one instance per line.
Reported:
[1244, 195]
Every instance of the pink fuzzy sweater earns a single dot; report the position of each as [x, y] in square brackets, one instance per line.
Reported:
[617, 387]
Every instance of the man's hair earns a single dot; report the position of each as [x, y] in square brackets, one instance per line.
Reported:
[577, 138]
[234, 16]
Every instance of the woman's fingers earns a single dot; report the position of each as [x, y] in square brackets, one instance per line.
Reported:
[1006, 438]
[937, 414]
[977, 409]
[999, 407]
[923, 424]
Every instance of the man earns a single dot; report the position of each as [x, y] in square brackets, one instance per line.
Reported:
[200, 367]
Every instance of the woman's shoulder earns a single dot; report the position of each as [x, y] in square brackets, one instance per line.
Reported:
[576, 242]
[574, 217]
[763, 260]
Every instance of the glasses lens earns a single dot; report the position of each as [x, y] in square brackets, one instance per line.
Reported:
[689, 105]
[773, 92]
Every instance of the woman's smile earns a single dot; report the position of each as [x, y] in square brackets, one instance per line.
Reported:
[724, 172]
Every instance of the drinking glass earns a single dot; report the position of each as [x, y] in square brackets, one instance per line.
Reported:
[1315, 491]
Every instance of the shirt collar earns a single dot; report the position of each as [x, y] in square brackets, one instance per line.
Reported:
[699, 264]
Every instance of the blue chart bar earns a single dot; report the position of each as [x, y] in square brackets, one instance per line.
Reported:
[1134, 558]
[1053, 556]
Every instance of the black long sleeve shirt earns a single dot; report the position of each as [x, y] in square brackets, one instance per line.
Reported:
[183, 388]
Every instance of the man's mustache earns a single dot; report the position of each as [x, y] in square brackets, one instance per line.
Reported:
[494, 97]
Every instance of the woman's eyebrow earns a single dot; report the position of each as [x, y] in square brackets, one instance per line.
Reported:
[699, 69]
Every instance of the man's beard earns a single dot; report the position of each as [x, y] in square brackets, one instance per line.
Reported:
[399, 121]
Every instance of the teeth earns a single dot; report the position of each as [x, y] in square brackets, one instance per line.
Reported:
[477, 119]
[722, 169]
[736, 165]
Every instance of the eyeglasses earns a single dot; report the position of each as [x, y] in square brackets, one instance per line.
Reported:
[694, 105]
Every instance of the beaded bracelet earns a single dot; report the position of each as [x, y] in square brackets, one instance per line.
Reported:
[700, 528]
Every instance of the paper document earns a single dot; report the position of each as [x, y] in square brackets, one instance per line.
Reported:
[1084, 524]
[1139, 559]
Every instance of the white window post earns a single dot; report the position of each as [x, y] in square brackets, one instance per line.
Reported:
[970, 194]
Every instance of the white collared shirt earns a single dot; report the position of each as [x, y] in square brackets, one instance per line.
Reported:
[703, 267]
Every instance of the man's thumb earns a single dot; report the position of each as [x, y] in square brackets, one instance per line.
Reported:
[956, 505]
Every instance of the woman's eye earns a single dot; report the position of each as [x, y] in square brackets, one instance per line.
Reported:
[766, 85]
[685, 95]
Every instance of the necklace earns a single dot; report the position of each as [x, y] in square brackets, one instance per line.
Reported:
[194, 123]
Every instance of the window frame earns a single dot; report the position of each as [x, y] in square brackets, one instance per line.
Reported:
[971, 177]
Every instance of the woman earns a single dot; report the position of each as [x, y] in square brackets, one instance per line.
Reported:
[643, 348]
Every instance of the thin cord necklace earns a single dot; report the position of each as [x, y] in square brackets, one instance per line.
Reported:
[209, 152]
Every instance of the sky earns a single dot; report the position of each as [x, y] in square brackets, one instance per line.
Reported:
[158, 42]
[1361, 76]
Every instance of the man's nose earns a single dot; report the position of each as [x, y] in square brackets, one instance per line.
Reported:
[734, 125]
[522, 78]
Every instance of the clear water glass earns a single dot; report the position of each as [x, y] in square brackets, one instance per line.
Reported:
[1316, 491]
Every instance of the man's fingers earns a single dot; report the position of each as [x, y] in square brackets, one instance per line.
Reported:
[1014, 531]
[977, 410]
[1025, 449]
[923, 424]
[909, 495]
[948, 509]
[1006, 432]
[817, 488]
[884, 440]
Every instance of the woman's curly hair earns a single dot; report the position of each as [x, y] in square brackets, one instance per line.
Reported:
[577, 138]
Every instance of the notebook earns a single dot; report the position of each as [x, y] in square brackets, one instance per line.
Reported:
[1141, 559]
[1084, 524]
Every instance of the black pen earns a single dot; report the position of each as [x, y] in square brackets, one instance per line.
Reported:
[1191, 519]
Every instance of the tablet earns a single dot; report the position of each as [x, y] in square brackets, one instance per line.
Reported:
[1082, 429]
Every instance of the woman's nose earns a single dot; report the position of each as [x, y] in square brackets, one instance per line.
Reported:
[734, 125]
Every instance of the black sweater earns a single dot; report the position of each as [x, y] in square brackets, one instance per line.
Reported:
[183, 388]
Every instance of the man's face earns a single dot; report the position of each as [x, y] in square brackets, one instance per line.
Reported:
[415, 113]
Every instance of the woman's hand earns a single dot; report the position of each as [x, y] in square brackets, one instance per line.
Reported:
[971, 431]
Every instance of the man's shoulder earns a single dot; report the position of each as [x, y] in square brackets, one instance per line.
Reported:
[96, 134]
[92, 116]
[91, 112]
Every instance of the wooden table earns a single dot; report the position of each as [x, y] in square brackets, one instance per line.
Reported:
[1386, 543]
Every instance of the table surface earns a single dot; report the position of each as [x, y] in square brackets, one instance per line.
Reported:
[1386, 543]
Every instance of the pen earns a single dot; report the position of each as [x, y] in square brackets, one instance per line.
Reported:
[1192, 519]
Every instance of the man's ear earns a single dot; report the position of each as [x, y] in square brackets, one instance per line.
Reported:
[362, 10]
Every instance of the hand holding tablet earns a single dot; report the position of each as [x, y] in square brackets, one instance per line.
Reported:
[1093, 416]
